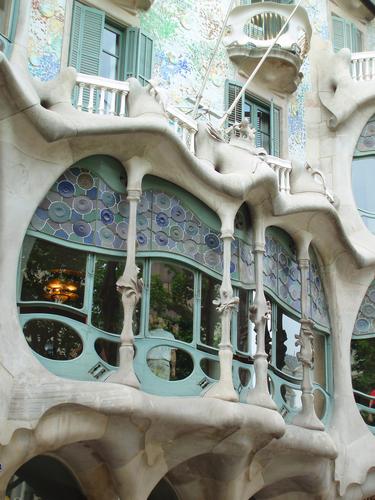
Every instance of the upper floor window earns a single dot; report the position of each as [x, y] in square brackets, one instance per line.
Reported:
[346, 35]
[5, 11]
[98, 47]
[8, 14]
[264, 117]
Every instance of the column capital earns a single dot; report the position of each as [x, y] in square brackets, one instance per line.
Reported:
[134, 194]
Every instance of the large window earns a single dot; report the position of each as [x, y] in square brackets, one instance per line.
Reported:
[8, 16]
[263, 116]
[363, 181]
[98, 47]
[346, 35]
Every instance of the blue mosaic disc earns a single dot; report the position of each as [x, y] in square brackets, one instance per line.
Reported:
[108, 199]
[66, 189]
[106, 236]
[82, 204]
[163, 201]
[362, 325]
[211, 258]
[161, 239]
[162, 219]
[142, 221]
[176, 233]
[59, 211]
[122, 230]
[142, 239]
[190, 247]
[178, 214]
[123, 208]
[82, 228]
[107, 216]
[212, 241]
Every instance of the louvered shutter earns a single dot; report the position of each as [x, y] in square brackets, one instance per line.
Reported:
[275, 130]
[338, 26]
[356, 39]
[232, 90]
[86, 39]
[138, 55]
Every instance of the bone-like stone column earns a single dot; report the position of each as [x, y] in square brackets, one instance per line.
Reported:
[260, 311]
[130, 287]
[224, 389]
[307, 417]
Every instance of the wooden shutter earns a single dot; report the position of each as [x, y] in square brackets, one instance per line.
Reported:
[232, 90]
[339, 34]
[275, 130]
[86, 39]
[138, 55]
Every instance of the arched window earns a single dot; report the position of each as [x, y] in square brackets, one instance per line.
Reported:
[363, 174]
[75, 251]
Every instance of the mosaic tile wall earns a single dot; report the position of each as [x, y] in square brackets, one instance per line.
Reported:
[365, 322]
[45, 38]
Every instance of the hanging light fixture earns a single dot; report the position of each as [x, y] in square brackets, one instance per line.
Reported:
[63, 285]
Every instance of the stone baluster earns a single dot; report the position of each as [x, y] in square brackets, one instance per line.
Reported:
[122, 103]
[90, 107]
[102, 101]
[191, 141]
[307, 417]
[260, 311]
[223, 389]
[80, 96]
[130, 287]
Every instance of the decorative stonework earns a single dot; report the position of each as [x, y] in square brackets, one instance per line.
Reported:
[365, 322]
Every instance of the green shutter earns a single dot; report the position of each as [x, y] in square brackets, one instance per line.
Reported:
[232, 90]
[138, 55]
[339, 35]
[356, 39]
[86, 39]
[275, 130]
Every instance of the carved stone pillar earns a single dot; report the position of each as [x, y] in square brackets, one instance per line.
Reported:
[130, 287]
[260, 311]
[223, 389]
[307, 417]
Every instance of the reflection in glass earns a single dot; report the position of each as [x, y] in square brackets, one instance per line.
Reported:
[210, 318]
[52, 273]
[243, 322]
[291, 396]
[52, 339]
[286, 349]
[5, 9]
[107, 308]
[169, 363]
[363, 365]
[172, 300]
[211, 368]
[244, 376]
[319, 403]
[108, 351]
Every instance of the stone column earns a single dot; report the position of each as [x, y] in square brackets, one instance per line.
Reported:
[306, 417]
[130, 287]
[223, 389]
[260, 311]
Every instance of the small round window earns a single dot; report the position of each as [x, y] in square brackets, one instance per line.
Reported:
[53, 339]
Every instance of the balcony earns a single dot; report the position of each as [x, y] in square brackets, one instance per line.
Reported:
[252, 29]
[363, 66]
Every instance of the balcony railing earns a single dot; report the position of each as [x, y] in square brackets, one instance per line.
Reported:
[363, 66]
[103, 96]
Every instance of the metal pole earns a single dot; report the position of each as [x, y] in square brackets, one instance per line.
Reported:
[252, 76]
[200, 93]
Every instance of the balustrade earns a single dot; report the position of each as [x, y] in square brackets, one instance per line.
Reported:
[363, 66]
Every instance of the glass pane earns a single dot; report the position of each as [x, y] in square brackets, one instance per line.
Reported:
[111, 41]
[319, 359]
[5, 8]
[243, 322]
[52, 273]
[210, 318]
[211, 368]
[168, 363]
[171, 301]
[107, 308]
[108, 66]
[52, 339]
[108, 351]
[363, 366]
[363, 180]
[286, 350]
[291, 396]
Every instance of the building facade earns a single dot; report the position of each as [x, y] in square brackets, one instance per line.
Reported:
[187, 259]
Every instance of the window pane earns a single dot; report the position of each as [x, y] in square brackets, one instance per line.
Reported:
[52, 273]
[171, 301]
[52, 339]
[110, 41]
[107, 308]
[286, 350]
[169, 364]
[363, 181]
[5, 8]
[108, 66]
[243, 322]
[210, 318]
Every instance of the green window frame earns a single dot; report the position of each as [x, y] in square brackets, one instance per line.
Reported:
[255, 109]
[8, 24]
[346, 35]
[135, 53]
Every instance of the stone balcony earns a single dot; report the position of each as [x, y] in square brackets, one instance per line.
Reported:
[252, 29]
